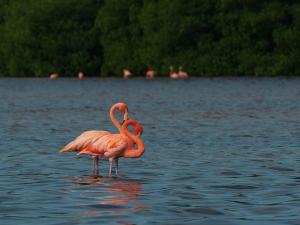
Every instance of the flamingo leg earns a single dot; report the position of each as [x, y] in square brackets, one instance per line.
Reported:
[110, 166]
[95, 165]
[117, 167]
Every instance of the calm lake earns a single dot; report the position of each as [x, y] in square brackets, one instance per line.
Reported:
[218, 151]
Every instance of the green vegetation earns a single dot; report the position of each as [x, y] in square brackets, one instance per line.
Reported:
[207, 38]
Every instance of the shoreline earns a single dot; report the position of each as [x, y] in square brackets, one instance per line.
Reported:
[157, 78]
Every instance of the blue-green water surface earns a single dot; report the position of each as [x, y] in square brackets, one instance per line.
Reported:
[218, 151]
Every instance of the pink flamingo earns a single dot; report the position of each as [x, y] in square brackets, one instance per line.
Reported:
[80, 75]
[53, 76]
[150, 74]
[173, 74]
[88, 137]
[114, 146]
[182, 74]
[126, 73]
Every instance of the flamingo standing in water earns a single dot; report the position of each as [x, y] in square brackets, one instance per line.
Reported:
[126, 73]
[114, 146]
[88, 137]
[150, 74]
[80, 75]
[182, 74]
[173, 74]
[53, 76]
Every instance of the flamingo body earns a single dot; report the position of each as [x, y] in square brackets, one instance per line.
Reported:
[80, 75]
[150, 74]
[89, 137]
[84, 139]
[126, 73]
[173, 75]
[108, 146]
[182, 74]
[114, 146]
[53, 76]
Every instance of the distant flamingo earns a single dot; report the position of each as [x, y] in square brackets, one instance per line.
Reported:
[182, 74]
[126, 73]
[80, 75]
[89, 137]
[53, 76]
[150, 74]
[173, 74]
[114, 146]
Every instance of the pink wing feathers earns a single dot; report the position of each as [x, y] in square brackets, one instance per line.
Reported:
[109, 146]
[83, 140]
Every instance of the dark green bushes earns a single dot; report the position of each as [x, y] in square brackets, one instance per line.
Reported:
[207, 38]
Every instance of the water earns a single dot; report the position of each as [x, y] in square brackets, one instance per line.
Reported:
[218, 151]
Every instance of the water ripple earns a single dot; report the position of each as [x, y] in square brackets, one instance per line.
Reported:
[218, 151]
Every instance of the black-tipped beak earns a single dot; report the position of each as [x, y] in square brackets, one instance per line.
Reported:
[140, 134]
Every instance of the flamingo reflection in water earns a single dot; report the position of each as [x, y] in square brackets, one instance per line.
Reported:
[122, 193]
[109, 191]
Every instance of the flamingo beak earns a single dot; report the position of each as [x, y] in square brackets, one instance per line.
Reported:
[126, 116]
[140, 134]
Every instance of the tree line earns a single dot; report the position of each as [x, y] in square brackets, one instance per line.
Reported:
[100, 38]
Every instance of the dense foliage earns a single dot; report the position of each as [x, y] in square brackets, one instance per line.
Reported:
[98, 37]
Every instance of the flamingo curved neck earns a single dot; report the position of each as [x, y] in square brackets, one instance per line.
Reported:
[133, 153]
[113, 118]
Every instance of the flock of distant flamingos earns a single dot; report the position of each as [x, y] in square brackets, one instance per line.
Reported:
[150, 74]
[103, 144]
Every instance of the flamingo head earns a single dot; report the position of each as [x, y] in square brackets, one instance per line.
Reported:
[124, 110]
[138, 130]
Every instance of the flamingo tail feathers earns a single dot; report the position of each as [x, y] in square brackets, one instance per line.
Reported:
[68, 147]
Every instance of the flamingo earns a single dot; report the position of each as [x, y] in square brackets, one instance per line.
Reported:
[80, 75]
[126, 73]
[173, 74]
[182, 74]
[53, 76]
[88, 137]
[114, 146]
[150, 74]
